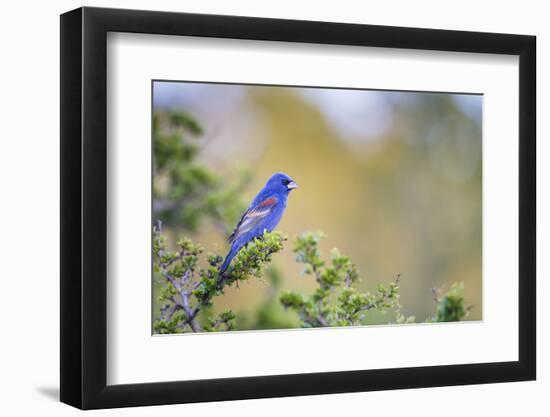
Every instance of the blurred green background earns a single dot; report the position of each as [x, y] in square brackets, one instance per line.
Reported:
[392, 178]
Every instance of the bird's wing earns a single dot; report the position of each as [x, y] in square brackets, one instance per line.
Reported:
[252, 217]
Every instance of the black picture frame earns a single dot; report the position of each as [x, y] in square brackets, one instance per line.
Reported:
[84, 207]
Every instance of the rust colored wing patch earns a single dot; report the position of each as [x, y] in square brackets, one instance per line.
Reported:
[252, 217]
[271, 201]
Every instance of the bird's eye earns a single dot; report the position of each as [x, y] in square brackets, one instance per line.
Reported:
[286, 182]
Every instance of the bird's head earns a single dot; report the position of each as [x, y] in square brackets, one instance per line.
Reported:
[281, 183]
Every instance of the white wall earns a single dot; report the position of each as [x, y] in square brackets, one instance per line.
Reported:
[29, 172]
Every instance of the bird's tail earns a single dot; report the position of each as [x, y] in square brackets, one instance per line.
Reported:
[229, 258]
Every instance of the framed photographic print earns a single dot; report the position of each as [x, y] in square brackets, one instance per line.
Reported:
[258, 207]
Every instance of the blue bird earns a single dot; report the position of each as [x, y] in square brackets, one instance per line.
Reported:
[264, 213]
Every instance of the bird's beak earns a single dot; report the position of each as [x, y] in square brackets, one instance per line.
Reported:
[292, 185]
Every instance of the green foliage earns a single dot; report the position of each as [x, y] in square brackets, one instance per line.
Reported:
[185, 191]
[225, 321]
[248, 263]
[336, 302]
[451, 306]
[188, 288]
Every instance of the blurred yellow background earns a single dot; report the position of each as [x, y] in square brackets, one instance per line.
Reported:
[393, 179]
